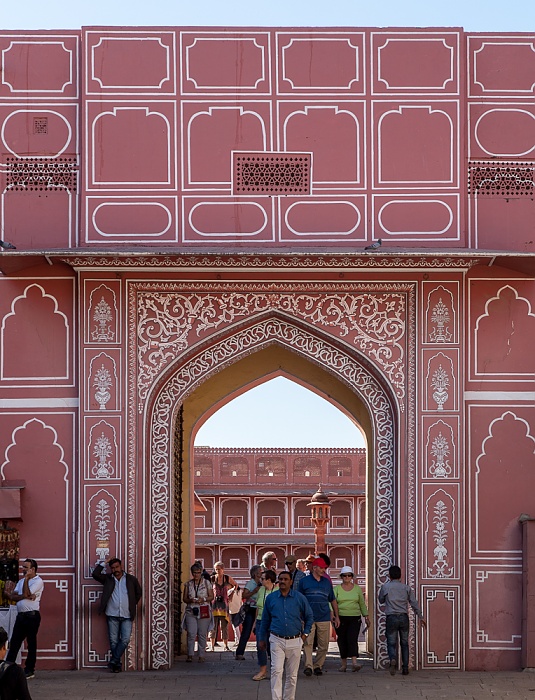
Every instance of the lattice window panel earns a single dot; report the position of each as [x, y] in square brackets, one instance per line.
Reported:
[42, 174]
[271, 173]
[501, 179]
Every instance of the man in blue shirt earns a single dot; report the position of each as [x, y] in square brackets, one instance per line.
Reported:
[318, 590]
[287, 619]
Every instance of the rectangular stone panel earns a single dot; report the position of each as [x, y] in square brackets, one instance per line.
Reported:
[130, 62]
[216, 62]
[320, 63]
[50, 64]
[415, 62]
[501, 65]
[441, 606]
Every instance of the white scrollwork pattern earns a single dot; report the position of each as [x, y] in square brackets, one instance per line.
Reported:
[205, 364]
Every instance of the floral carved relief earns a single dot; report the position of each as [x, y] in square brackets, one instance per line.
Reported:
[225, 352]
[440, 451]
[102, 315]
[440, 513]
[374, 322]
[440, 316]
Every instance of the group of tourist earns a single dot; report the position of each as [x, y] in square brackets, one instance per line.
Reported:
[291, 613]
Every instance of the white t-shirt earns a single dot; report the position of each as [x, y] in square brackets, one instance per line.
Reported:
[235, 602]
[36, 585]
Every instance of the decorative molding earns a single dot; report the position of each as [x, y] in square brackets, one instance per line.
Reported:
[190, 374]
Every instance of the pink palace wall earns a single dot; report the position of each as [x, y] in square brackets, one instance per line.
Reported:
[134, 140]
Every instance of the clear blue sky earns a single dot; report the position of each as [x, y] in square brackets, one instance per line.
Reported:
[276, 405]
[473, 15]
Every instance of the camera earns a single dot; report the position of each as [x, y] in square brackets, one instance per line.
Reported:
[195, 611]
[219, 599]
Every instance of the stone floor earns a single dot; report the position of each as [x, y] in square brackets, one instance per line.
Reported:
[224, 678]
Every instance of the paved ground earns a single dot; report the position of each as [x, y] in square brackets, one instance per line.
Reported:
[224, 678]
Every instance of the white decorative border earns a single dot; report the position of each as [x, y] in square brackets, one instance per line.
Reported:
[206, 363]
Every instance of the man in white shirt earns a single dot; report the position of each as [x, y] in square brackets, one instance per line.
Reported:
[27, 594]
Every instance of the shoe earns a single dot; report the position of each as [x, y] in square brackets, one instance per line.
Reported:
[393, 664]
[261, 677]
[201, 659]
[240, 657]
[29, 674]
[356, 667]
[405, 672]
[217, 644]
[342, 669]
[307, 671]
[117, 669]
[189, 659]
[318, 671]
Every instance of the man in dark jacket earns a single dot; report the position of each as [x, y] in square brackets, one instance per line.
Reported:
[13, 683]
[119, 600]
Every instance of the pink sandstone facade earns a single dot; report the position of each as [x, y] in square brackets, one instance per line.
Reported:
[190, 210]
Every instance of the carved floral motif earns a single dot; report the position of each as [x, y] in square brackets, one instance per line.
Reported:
[440, 449]
[440, 568]
[440, 317]
[102, 382]
[102, 450]
[169, 323]
[440, 383]
[103, 317]
[211, 361]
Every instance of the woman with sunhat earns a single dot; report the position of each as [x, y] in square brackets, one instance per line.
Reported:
[351, 609]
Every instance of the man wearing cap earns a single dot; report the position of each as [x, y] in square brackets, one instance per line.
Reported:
[287, 619]
[309, 561]
[291, 564]
[318, 590]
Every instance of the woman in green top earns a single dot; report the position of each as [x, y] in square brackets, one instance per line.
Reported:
[351, 608]
[268, 586]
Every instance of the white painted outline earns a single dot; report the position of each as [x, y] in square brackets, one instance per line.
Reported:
[229, 234]
[89, 430]
[142, 37]
[409, 196]
[427, 426]
[40, 43]
[311, 40]
[38, 111]
[328, 234]
[527, 376]
[414, 201]
[68, 479]
[503, 155]
[131, 204]
[452, 358]
[88, 36]
[358, 37]
[453, 140]
[118, 387]
[222, 199]
[451, 594]
[412, 40]
[252, 39]
[473, 64]
[12, 313]
[210, 112]
[479, 573]
[433, 288]
[359, 156]
[220, 89]
[135, 183]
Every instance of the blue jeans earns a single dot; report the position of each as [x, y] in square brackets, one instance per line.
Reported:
[119, 631]
[398, 625]
[247, 628]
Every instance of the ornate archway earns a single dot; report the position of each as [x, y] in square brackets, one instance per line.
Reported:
[193, 368]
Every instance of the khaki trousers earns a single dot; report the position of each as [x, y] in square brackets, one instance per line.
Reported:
[323, 630]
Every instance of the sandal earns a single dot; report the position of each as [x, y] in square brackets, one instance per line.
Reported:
[189, 659]
[260, 677]
[356, 667]
[201, 659]
[342, 669]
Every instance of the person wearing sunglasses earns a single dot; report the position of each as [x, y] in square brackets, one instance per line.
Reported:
[351, 609]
